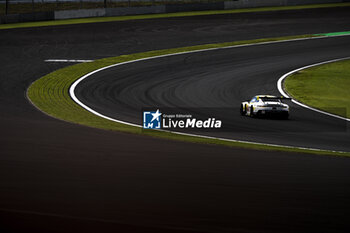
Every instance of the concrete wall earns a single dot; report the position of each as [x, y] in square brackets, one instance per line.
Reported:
[135, 10]
[194, 7]
[85, 13]
[304, 2]
[29, 17]
[253, 3]
[262, 3]
[71, 14]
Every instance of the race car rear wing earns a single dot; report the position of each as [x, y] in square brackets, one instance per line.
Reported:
[275, 98]
[285, 98]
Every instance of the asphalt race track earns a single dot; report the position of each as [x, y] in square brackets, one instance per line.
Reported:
[221, 80]
[61, 177]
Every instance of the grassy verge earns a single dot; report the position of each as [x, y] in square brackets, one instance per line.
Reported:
[50, 94]
[324, 87]
[155, 16]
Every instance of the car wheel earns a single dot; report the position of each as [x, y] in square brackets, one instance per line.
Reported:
[251, 111]
[242, 110]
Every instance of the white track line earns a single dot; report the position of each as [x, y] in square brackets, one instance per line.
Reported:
[282, 91]
[67, 60]
[75, 99]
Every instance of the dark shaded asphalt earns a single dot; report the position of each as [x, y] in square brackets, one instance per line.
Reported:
[60, 177]
[222, 79]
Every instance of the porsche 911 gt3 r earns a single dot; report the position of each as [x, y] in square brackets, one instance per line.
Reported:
[265, 105]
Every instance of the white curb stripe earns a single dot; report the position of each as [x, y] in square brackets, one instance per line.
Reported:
[67, 60]
[282, 91]
[75, 99]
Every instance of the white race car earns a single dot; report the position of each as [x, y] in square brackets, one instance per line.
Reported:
[265, 105]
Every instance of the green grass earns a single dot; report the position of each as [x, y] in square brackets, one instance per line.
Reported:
[324, 87]
[155, 16]
[334, 33]
[50, 94]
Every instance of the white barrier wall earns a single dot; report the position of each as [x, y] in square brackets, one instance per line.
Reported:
[84, 13]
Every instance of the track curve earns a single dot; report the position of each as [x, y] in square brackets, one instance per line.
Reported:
[222, 79]
[60, 177]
